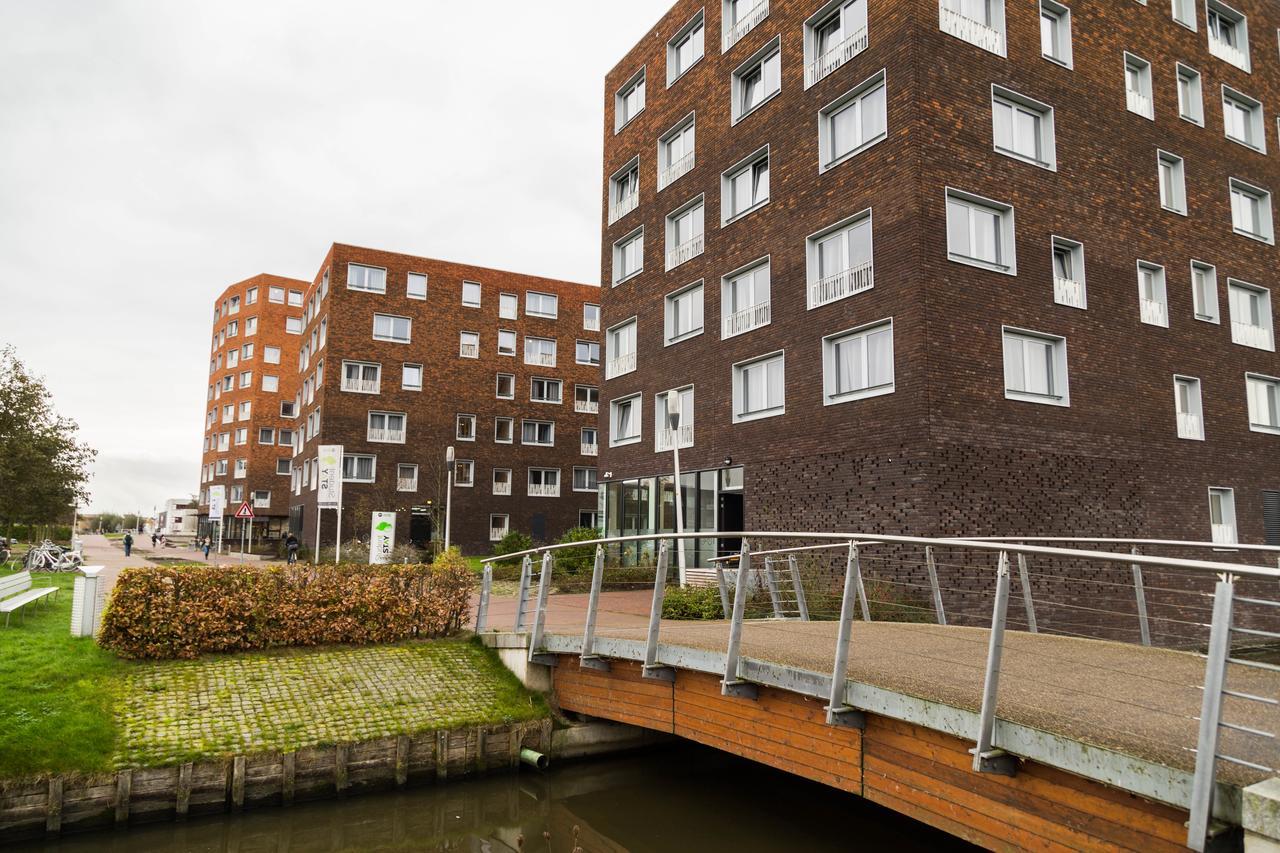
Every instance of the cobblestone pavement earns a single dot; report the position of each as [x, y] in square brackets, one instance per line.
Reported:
[179, 710]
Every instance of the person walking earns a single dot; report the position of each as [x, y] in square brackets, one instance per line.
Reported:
[128, 544]
[207, 545]
[291, 545]
[153, 541]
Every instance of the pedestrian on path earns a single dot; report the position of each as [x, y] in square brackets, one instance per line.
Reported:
[291, 545]
[128, 544]
[153, 541]
[206, 548]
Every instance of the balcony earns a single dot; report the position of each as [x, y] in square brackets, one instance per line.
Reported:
[1224, 534]
[587, 407]
[678, 169]
[468, 350]
[686, 251]
[361, 386]
[977, 33]
[1154, 312]
[1068, 292]
[589, 449]
[1249, 335]
[262, 503]
[745, 320]
[1138, 103]
[502, 488]
[496, 533]
[669, 439]
[541, 359]
[624, 363]
[542, 490]
[623, 206]
[839, 285]
[1228, 53]
[1190, 425]
[734, 34]
[387, 436]
[835, 57]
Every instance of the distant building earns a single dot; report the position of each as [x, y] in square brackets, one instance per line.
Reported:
[180, 518]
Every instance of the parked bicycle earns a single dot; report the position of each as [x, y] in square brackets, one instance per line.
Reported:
[48, 557]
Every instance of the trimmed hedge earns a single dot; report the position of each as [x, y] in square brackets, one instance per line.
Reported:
[186, 611]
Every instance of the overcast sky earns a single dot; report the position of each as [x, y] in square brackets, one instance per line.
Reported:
[154, 151]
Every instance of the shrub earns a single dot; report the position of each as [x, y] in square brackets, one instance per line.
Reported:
[512, 543]
[692, 602]
[185, 611]
[577, 560]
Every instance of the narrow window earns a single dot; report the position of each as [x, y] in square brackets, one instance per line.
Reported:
[745, 300]
[621, 340]
[757, 80]
[1190, 96]
[1137, 84]
[1172, 181]
[471, 294]
[629, 102]
[1264, 402]
[1152, 297]
[684, 314]
[508, 306]
[1068, 273]
[839, 260]
[685, 49]
[1186, 397]
[685, 237]
[853, 122]
[628, 256]
[673, 419]
[759, 388]
[416, 285]
[1222, 515]
[624, 191]
[590, 317]
[1035, 368]
[1204, 291]
[1055, 32]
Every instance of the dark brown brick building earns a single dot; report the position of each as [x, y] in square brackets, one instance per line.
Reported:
[958, 267]
[248, 426]
[403, 356]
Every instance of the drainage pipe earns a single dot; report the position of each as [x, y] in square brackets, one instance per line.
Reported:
[534, 759]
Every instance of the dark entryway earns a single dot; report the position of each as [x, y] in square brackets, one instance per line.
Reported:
[732, 518]
[420, 528]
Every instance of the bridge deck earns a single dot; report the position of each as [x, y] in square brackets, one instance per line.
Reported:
[1141, 702]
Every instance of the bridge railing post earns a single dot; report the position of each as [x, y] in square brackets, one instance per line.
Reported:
[651, 669]
[1215, 670]
[987, 759]
[522, 597]
[589, 659]
[486, 590]
[772, 582]
[939, 613]
[1140, 595]
[838, 713]
[802, 604]
[1024, 581]
[725, 607]
[732, 684]
[540, 616]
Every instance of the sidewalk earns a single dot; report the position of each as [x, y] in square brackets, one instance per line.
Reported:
[101, 551]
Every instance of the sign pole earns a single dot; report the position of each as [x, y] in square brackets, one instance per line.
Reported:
[315, 558]
[329, 495]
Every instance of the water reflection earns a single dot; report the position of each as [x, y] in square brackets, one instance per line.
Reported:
[684, 798]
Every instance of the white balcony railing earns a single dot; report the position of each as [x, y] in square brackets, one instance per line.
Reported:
[542, 359]
[1138, 103]
[502, 488]
[1250, 335]
[588, 407]
[686, 251]
[835, 57]
[259, 503]
[624, 363]
[1190, 425]
[406, 484]
[1228, 53]
[678, 169]
[1154, 312]
[363, 386]
[1067, 291]
[469, 350]
[393, 436]
[734, 34]
[842, 284]
[681, 437]
[1224, 534]
[953, 23]
[542, 490]
[745, 320]
[623, 206]
[496, 533]
[590, 449]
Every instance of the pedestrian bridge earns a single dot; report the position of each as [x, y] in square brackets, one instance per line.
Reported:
[1125, 701]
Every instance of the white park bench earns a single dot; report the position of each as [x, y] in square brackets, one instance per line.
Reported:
[16, 592]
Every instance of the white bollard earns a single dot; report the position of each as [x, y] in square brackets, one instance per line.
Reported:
[84, 602]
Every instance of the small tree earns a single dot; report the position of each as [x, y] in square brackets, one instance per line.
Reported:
[576, 560]
[512, 543]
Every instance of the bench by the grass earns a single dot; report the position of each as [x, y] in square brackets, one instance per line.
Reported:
[17, 592]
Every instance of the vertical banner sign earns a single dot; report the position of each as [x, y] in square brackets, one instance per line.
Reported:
[217, 502]
[382, 538]
[329, 495]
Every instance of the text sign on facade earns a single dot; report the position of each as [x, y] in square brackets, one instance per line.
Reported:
[329, 494]
[382, 537]
[245, 511]
[217, 502]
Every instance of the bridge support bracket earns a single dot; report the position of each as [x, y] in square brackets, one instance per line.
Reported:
[741, 689]
[658, 672]
[996, 761]
[846, 717]
[544, 658]
[594, 662]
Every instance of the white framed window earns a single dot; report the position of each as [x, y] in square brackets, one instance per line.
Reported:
[833, 35]
[1204, 291]
[271, 355]
[624, 190]
[386, 427]
[240, 471]
[499, 524]
[411, 377]
[502, 481]
[1023, 128]
[744, 187]
[620, 348]
[1035, 367]
[1190, 95]
[288, 409]
[251, 296]
[1228, 34]
[586, 352]
[285, 437]
[1188, 407]
[590, 317]
[406, 477]
[1055, 32]
[464, 473]
[1251, 322]
[624, 420]
[853, 122]
[664, 436]
[250, 326]
[464, 428]
[1184, 12]
[284, 466]
[586, 399]
[1251, 211]
[589, 442]
[739, 17]
[629, 101]
[270, 383]
[839, 260]
[221, 470]
[506, 342]
[1242, 120]
[683, 310]
[858, 363]
[1172, 182]
[542, 390]
[246, 410]
[546, 305]
[293, 325]
[628, 256]
[686, 48]
[584, 479]
[540, 351]
[295, 298]
[538, 433]
[246, 379]
[1264, 402]
[544, 482]
[242, 436]
[266, 435]
[415, 286]
[275, 294]
[508, 306]
[757, 80]
[505, 386]
[504, 430]
[979, 22]
[1153, 298]
[677, 151]
[471, 294]
[685, 236]
[1222, 515]
[233, 358]
[1069, 286]
[1137, 86]
[361, 377]
[468, 345]
[387, 327]
[246, 352]
[980, 232]
[759, 388]
[367, 278]
[745, 299]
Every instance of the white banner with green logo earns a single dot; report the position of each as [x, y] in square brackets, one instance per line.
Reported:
[382, 537]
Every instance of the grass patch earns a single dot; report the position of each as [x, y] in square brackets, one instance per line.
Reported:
[57, 692]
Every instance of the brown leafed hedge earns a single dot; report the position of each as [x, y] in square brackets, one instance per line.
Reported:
[186, 611]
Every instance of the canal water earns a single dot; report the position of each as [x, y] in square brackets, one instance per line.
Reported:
[684, 798]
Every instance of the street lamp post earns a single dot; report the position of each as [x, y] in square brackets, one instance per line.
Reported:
[673, 417]
[448, 495]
